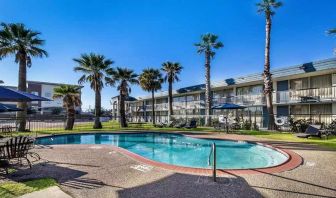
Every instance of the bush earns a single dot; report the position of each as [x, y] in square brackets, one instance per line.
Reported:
[215, 122]
[246, 125]
[332, 126]
[298, 126]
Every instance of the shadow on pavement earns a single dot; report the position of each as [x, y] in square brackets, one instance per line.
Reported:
[183, 185]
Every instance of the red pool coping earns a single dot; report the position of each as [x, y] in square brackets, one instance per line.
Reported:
[294, 160]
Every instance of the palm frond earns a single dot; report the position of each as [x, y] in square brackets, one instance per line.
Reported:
[208, 44]
[268, 6]
[332, 31]
[16, 39]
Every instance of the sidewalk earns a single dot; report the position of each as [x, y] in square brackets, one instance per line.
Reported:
[52, 192]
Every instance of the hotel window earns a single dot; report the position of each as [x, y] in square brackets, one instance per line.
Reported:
[250, 90]
[47, 94]
[299, 109]
[192, 98]
[320, 81]
[297, 84]
[179, 99]
[223, 93]
[218, 94]
[35, 93]
[320, 109]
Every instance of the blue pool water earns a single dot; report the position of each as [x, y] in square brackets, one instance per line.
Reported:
[180, 150]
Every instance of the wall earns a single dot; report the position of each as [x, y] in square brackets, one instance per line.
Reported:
[47, 92]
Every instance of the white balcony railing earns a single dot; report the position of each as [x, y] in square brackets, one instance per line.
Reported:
[279, 97]
[246, 100]
[293, 96]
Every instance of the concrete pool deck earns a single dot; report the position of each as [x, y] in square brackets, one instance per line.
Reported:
[102, 171]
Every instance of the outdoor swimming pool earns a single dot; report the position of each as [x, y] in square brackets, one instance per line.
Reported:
[180, 150]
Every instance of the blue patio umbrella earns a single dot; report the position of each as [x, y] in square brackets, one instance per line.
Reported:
[11, 95]
[228, 106]
[8, 108]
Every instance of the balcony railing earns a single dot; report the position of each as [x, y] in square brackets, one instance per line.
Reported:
[315, 94]
[246, 100]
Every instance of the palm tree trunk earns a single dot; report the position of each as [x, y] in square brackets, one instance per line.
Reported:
[153, 107]
[22, 86]
[70, 118]
[97, 123]
[268, 84]
[123, 122]
[207, 90]
[170, 98]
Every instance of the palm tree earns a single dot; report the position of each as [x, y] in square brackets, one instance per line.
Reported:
[267, 7]
[24, 44]
[207, 46]
[70, 94]
[94, 68]
[151, 80]
[172, 70]
[333, 33]
[124, 77]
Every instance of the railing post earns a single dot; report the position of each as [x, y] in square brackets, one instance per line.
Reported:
[214, 162]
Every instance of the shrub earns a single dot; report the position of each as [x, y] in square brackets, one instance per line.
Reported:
[246, 125]
[298, 126]
[332, 126]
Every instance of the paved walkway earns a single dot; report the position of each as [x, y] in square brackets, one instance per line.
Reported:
[51, 192]
[99, 171]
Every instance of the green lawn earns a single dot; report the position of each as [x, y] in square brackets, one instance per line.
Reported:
[289, 137]
[114, 126]
[15, 189]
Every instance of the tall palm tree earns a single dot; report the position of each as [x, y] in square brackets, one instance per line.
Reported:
[124, 77]
[171, 70]
[333, 33]
[151, 80]
[267, 7]
[207, 46]
[94, 68]
[24, 44]
[70, 94]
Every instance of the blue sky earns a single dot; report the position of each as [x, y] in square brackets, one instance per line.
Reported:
[144, 33]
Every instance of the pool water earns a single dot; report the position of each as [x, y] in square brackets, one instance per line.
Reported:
[180, 150]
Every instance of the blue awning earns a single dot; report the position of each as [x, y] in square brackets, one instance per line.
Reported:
[11, 95]
[228, 106]
[8, 108]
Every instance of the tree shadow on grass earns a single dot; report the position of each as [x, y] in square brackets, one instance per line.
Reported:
[45, 169]
[65, 176]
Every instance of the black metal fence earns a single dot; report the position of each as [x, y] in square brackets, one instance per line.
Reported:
[254, 118]
[49, 122]
[54, 123]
